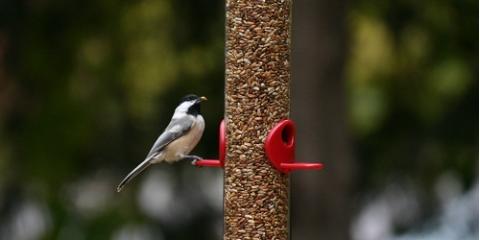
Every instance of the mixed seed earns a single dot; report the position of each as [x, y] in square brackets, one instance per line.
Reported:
[257, 97]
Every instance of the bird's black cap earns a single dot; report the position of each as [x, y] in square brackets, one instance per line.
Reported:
[189, 97]
[195, 108]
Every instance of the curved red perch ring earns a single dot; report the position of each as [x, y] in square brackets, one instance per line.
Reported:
[221, 150]
[280, 148]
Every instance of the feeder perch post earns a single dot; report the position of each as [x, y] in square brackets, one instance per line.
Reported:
[257, 62]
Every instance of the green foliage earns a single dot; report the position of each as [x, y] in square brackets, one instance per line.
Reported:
[413, 82]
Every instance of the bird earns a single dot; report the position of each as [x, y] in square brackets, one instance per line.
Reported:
[177, 140]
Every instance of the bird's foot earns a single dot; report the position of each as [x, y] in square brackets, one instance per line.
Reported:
[194, 162]
[193, 158]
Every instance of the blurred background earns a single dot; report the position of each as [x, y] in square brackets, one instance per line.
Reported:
[385, 93]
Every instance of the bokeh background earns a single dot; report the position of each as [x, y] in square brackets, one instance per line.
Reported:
[385, 93]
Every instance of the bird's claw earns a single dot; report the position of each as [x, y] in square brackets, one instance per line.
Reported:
[195, 159]
[194, 162]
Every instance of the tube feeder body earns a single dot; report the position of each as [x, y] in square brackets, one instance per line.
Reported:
[257, 73]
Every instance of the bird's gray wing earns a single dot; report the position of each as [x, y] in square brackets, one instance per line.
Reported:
[177, 128]
[174, 130]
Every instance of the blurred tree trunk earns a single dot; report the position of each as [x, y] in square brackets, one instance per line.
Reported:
[321, 201]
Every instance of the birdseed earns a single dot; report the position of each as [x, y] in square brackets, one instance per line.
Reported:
[257, 97]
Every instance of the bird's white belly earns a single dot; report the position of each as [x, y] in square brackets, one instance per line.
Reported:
[182, 146]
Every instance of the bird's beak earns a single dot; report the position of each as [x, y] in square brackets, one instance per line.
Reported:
[202, 98]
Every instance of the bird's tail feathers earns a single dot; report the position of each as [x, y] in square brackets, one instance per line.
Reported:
[142, 166]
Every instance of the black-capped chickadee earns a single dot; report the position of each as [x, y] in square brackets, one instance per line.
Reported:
[179, 138]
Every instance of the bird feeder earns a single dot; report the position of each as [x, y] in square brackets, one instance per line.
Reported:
[279, 147]
[257, 138]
